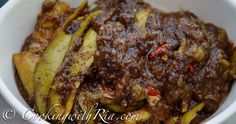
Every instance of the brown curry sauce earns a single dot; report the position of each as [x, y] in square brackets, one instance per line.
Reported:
[176, 56]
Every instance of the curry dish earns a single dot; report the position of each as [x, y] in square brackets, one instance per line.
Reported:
[125, 57]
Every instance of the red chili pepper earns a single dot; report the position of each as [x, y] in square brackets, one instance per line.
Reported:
[107, 89]
[159, 51]
[190, 69]
[153, 92]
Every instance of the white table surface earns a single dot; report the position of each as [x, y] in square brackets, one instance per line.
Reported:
[18, 120]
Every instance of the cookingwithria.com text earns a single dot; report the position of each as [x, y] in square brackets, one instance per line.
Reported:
[94, 113]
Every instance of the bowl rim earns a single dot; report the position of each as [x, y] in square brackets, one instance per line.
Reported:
[6, 93]
[21, 109]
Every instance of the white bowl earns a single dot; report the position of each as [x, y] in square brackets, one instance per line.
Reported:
[17, 20]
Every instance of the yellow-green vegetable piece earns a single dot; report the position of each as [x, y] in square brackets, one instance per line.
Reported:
[55, 100]
[183, 47]
[85, 57]
[25, 63]
[47, 67]
[141, 18]
[87, 101]
[84, 61]
[222, 35]
[191, 114]
[77, 11]
[232, 71]
[70, 101]
[138, 93]
[84, 25]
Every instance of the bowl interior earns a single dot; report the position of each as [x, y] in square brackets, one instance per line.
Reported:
[19, 18]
